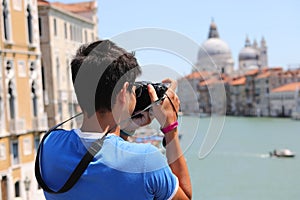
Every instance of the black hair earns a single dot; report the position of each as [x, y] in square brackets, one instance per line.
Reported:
[99, 70]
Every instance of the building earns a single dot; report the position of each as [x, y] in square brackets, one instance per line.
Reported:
[63, 28]
[212, 96]
[285, 100]
[238, 96]
[215, 54]
[251, 90]
[188, 92]
[266, 81]
[253, 56]
[22, 116]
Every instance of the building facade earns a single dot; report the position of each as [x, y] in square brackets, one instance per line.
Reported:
[22, 116]
[284, 100]
[63, 28]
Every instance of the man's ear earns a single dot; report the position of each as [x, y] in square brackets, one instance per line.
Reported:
[123, 92]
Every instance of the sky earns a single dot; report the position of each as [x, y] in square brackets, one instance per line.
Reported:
[275, 20]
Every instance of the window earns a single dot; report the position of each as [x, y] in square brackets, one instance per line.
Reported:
[34, 99]
[11, 99]
[66, 30]
[55, 27]
[60, 110]
[85, 36]
[40, 26]
[2, 151]
[36, 142]
[43, 78]
[17, 189]
[29, 24]
[15, 152]
[6, 20]
[57, 72]
[71, 33]
[27, 146]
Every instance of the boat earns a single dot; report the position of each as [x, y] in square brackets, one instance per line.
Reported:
[282, 153]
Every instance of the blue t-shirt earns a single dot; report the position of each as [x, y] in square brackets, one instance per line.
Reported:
[120, 170]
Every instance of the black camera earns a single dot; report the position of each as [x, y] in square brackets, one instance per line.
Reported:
[142, 96]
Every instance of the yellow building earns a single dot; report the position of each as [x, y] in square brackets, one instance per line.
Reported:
[22, 117]
[64, 27]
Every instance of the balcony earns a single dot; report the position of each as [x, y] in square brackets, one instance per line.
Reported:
[17, 126]
[40, 123]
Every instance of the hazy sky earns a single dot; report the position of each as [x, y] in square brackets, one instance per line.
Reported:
[277, 21]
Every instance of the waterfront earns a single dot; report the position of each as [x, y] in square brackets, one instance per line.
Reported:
[239, 166]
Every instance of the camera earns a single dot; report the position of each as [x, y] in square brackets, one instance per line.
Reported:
[142, 96]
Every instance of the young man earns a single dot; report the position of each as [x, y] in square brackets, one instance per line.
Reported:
[103, 76]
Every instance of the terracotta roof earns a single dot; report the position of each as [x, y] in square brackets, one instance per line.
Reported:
[288, 87]
[263, 75]
[210, 82]
[43, 3]
[240, 81]
[252, 72]
[201, 74]
[76, 7]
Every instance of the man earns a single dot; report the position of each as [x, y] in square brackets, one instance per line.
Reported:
[104, 80]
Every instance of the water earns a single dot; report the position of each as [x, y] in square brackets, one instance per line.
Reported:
[239, 166]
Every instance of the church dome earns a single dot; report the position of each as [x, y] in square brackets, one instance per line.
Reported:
[248, 53]
[214, 46]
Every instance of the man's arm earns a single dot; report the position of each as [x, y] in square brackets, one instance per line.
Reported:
[166, 114]
[178, 165]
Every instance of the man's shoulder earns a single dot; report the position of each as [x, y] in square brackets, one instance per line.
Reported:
[136, 147]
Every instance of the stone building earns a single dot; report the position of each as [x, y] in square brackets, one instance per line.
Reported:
[238, 96]
[250, 104]
[22, 116]
[266, 81]
[188, 86]
[63, 28]
[284, 100]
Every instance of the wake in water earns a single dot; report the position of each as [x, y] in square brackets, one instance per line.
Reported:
[237, 154]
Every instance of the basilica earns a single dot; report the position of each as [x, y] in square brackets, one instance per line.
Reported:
[215, 54]
[253, 88]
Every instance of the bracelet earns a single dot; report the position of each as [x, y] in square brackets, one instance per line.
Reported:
[170, 127]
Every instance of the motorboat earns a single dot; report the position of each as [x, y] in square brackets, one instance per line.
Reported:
[282, 153]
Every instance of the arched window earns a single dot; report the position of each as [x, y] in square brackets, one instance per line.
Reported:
[29, 24]
[34, 99]
[5, 13]
[11, 100]
[17, 189]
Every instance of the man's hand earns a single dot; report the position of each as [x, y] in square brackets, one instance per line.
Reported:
[143, 119]
[164, 112]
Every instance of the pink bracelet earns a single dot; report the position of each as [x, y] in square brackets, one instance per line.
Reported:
[170, 127]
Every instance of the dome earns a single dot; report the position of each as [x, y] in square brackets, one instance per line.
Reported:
[248, 53]
[215, 46]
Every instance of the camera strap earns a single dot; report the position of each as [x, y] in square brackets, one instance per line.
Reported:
[78, 171]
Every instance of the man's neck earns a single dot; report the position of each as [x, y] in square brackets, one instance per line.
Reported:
[99, 123]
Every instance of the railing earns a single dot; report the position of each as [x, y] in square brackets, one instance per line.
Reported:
[40, 123]
[17, 126]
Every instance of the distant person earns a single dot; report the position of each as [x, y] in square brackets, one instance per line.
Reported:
[104, 80]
